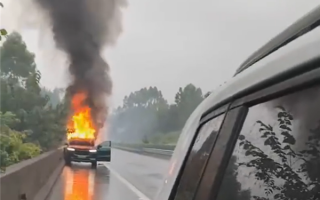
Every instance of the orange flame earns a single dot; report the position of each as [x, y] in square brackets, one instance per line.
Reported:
[80, 125]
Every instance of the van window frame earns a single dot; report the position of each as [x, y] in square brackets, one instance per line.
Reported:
[233, 123]
[299, 82]
[218, 111]
[190, 163]
[287, 86]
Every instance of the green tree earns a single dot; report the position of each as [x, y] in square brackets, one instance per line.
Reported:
[54, 95]
[9, 119]
[187, 99]
[282, 178]
[13, 147]
[147, 116]
[139, 116]
[146, 97]
[16, 60]
[42, 122]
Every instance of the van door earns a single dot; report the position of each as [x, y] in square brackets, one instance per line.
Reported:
[104, 151]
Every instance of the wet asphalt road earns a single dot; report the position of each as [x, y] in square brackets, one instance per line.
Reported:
[129, 176]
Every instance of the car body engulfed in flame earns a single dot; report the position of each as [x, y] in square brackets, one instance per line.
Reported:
[80, 124]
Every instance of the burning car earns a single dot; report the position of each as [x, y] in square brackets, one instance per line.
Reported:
[82, 134]
[85, 150]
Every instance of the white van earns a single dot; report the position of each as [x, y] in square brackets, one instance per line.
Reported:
[258, 136]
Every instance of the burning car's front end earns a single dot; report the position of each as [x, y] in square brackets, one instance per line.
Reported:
[80, 155]
[82, 132]
[80, 151]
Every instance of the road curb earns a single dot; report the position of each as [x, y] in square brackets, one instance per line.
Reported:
[44, 192]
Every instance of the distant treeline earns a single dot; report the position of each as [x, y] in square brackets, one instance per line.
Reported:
[147, 117]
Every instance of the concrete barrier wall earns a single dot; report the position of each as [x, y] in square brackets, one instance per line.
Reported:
[24, 180]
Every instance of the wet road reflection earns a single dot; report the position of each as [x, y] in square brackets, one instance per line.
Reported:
[80, 182]
[131, 175]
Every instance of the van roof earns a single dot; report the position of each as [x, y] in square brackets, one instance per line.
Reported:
[249, 75]
[252, 72]
[305, 24]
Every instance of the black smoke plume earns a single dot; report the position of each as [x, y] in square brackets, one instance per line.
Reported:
[82, 28]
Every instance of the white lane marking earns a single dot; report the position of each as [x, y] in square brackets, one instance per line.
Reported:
[127, 183]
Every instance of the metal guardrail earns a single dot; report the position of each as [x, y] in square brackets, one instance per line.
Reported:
[156, 152]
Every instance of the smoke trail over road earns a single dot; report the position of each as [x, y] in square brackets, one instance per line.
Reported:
[81, 29]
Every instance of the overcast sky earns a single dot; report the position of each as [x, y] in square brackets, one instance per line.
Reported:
[170, 43]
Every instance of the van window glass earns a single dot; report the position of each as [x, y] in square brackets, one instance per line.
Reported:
[180, 152]
[197, 158]
[277, 155]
